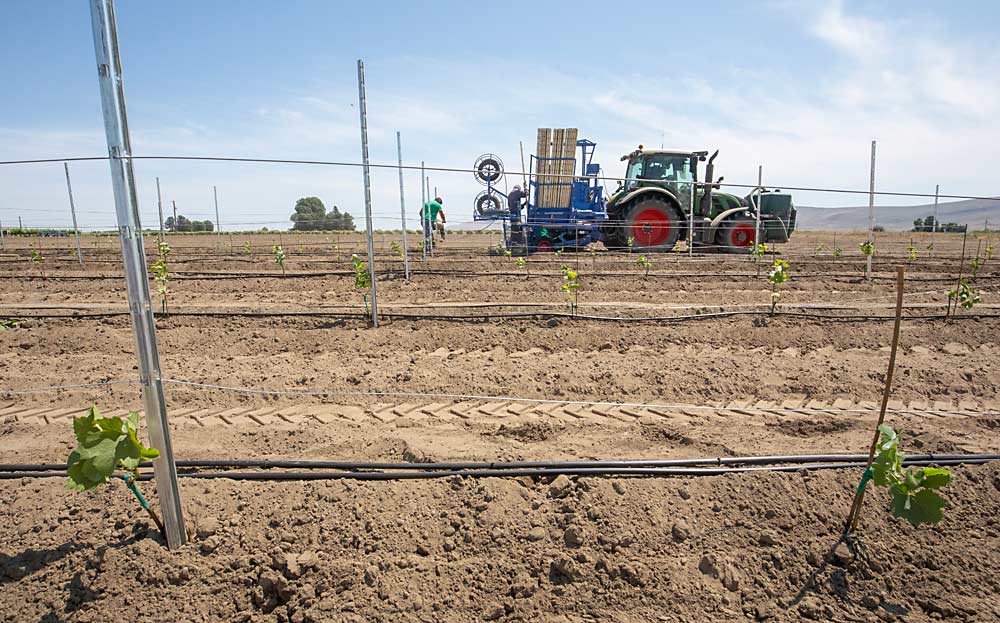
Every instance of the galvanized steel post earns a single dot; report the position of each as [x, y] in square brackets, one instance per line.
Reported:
[760, 193]
[402, 209]
[690, 241]
[218, 225]
[109, 71]
[871, 216]
[423, 210]
[72, 210]
[368, 190]
[430, 228]
[937, 191]
[159, 206]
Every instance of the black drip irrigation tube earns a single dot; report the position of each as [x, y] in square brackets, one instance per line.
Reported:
[529, 315]
[350, 470]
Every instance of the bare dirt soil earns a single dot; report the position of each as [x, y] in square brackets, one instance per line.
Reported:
[736, 547]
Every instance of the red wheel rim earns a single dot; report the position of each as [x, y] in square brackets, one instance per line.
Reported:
[650, 228]
[742, 235]
[543, 246]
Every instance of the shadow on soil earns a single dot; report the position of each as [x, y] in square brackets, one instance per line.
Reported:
[30, 561]
[838, 580]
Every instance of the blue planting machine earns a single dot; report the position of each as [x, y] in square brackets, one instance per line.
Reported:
[561, 211]
[659, 203]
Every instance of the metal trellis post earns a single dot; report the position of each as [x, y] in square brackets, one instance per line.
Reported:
[937, 191]
[871, 216]
[760, 194]
[402, 209]
[423, 210]
[109, 71]
[3, 241]
[368, 190]
[159, 207]
[218, 225]
[72, 210]
[690, 241]
[430, 229]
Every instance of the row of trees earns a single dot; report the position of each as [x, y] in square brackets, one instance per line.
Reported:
[182, 223]
[927, 224]
[311, 215]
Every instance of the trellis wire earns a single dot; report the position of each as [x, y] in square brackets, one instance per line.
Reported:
[444, 169]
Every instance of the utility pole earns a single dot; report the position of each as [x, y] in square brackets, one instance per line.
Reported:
[109, 71]
[368, 191]
[72, 210]
[871, 215]
[20, 225]
[159, 206]
[402, 209]
[175, 214]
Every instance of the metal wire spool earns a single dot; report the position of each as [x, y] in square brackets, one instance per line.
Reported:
[488, 169]
[489, 204]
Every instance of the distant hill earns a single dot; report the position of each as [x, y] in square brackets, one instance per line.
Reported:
[973, 212]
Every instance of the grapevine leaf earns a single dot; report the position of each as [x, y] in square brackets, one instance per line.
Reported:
[935, 478]
[925, 506]
[888, 463]
[104, 444]
[83, 424]
[911, 480]
[889, 437]
[884, 468]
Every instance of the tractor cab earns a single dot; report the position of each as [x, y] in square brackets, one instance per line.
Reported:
[673, 171]
[661, 167]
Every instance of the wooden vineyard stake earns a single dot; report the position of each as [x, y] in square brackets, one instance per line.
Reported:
[859, 496]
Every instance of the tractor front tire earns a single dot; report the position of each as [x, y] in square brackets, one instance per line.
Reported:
[735, 236]
[653, 225]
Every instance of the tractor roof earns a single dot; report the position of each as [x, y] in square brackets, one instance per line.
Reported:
[674, 152]
[667, 152]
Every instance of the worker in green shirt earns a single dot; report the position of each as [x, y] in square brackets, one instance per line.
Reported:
[429, 214]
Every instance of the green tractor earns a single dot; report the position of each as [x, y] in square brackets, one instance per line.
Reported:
[662, 199]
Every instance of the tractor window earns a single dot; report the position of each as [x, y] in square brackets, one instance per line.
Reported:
[669, 168]
[635, 170]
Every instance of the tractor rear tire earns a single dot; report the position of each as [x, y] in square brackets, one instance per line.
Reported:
[735, 236]
[653, 225]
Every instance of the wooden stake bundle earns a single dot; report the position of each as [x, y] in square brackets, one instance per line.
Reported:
[542, 152]
[568, 166]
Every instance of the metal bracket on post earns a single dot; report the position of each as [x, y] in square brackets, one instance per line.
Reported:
[109, 69]
[368, 191]
[402, 209]
[72, 210]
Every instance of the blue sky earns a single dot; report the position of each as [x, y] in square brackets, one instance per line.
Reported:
[799, 87]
